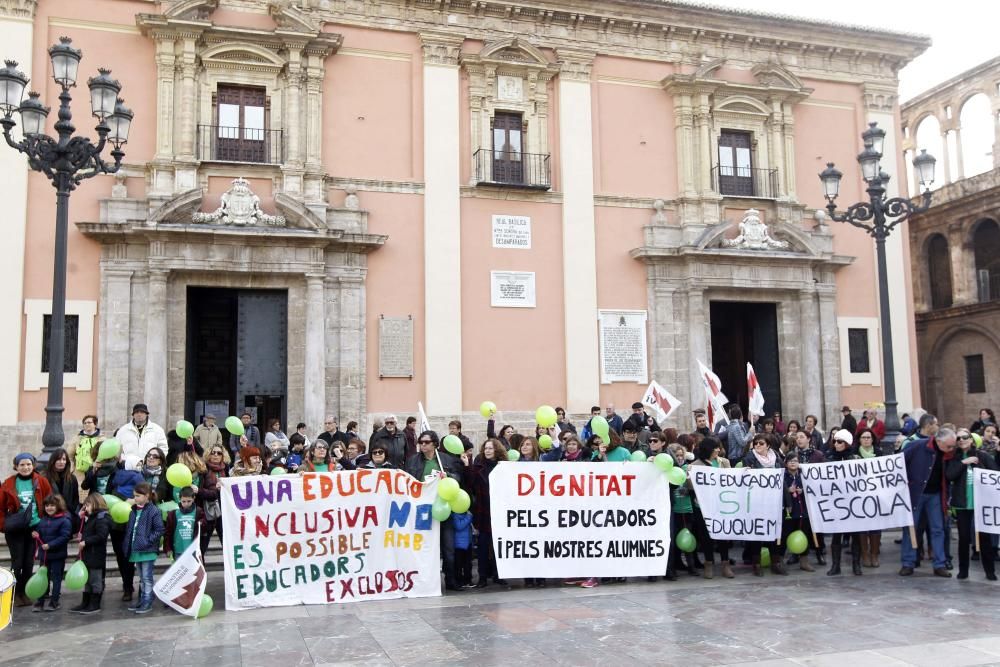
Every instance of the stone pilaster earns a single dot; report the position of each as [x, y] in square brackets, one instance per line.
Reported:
[811, 366]
[829, 352]
[315, 364]
[155, 394]
[699, 335]
[165, 60]
[113, 345]
[348, 371]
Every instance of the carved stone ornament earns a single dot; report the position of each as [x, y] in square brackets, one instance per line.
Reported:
[240, 206]
[753, 234]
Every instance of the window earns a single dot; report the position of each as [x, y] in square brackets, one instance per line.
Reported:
[986, 250]
[857, 342]
[72, 334]
[939, 271]
[240, 132]
[975, 377]
[507, 148]
[735, 175]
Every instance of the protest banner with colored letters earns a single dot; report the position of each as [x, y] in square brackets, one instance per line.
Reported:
[329, 537]
[986, 495]
[857, 495]
[580, 520]
[738, 503]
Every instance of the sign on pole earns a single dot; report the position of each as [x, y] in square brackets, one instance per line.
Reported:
[857, 495]
[986, 495]
[739, 504]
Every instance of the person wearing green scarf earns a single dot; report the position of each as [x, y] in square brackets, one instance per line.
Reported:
[871, 541]
[959, 472]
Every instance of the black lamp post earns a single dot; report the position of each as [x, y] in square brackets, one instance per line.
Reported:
[66, 161]
[884, 214]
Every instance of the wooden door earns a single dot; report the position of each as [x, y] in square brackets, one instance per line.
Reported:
[508, 166]
[241, 131]
[735, 167]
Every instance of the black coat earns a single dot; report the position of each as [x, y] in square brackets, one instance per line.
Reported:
[395, 445]
[955, 472]
[849, 423]
[94, 538]
[452, 465]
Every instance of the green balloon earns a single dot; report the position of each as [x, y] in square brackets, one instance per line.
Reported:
[686, 541]
[205, 608]
[797, 542]
[448, 489]
[111, 500]
[638, 456]
[278, 470]
[663, 461]
[677, 476]
[599, 426]
[121, 512]
[179, 475]
[765, 557]
[545, 442]
[461, 503]
[76, 576]
[546, 416]
[109, 449]
[167, 507]
[513, 455]
[740, 464]
[453, 445]
[38, 585]
[440, 510]
[184, 429]
[235, 426]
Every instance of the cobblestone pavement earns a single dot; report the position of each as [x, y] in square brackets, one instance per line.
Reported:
[802, 619]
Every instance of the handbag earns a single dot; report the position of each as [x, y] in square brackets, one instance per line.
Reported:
[19, 522]
[213, 510]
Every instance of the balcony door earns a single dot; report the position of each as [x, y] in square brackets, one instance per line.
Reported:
[508, 136]
[241, 123]
[735, 166]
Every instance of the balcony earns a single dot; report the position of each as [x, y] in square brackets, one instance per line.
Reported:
[512, 169]
[219, 143]
[731, 181]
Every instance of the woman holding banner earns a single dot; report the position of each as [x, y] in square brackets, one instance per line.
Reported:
[476, 479]
[707, 454]
[871, 541]
[762, 456]
[842, 451]
[959, 473]
[796, 514]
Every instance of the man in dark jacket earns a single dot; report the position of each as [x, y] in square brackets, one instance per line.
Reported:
[430, 461]
[332, 433]
[848, 423]
[926, 462]
[455, 429]
[640, 420]
[394, 441]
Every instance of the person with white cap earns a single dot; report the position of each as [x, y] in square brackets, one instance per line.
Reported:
[394, 441]
[843, 450]
[140, 435]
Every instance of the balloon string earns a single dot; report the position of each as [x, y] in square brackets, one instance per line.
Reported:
[38, 547]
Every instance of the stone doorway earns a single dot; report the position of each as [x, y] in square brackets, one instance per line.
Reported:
[236, 354]
[745, 332]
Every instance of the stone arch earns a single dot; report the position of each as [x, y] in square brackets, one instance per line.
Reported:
[506, 48]
[742, 104]
[938, 282]
[243, 51]
[191, 9]
[976, 118]
[945, 383]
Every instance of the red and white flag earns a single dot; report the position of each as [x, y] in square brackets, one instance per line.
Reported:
[660, 400]
[754, 393]
[183, 584]
[713, 393]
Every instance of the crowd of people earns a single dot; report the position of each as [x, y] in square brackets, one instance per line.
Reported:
[45, 516]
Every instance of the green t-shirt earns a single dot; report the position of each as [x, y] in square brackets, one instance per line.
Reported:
[184, 532]
[195, 481]
[619, 453]
[141, 556]
[430, 466]
[682, 501]
[321, 467]
[25, 493]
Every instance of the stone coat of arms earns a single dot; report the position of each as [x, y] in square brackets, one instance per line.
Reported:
[754, 234]
[240, 206]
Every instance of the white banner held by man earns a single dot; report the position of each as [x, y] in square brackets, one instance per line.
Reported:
[986, 495]
[660, 400]
[739, 504]
[183, 584]
[321, 538]
[581, 520]
[857, 495]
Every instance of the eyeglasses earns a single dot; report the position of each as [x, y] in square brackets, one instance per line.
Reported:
[840, 442]
[378, 452]
[217, 452]
[965, 437]
[655, 440]
[758, 443]
[390, 422]
[426, 442]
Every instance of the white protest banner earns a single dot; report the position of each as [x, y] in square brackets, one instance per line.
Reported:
[857, 495]
[738, 503]
[425, 425]
[660, 400]
[329, 537]
[579, 520]
[986, 495]
[183, 584]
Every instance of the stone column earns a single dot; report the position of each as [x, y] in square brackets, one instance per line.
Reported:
[293, 113]
[348, 369]
[946, 158]
[579, 236]
[113, 347]
[788, 133]
[960, 167]
[829, 354]
[705, 159]
[165, 97]
[187, 130]
[699, 334]
[777, 157]
[442, 225]
[964, 283]
[684, 130]
[811, 368]
[16, 34]
[314, 401]
[155, 392]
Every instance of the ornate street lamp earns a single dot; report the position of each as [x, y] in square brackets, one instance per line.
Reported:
[66, 161]
[878, 216]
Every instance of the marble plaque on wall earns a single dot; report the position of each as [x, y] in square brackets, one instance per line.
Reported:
[623, 345]
[512, 231]
[512, 289]
[395, 347]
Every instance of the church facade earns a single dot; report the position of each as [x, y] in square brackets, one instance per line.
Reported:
[348, 206]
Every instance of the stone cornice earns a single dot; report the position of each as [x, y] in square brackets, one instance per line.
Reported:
[441, 48]
[575, 65]
[18, 9]
[880, 96]
[652, 29]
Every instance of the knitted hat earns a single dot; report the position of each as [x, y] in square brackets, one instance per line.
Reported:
[23, 456]
[845, 435]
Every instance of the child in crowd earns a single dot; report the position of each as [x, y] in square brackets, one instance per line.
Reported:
[463, 548]
[52, 535]
[181, 523]
[297, 442]
[93, 551]
[142, 542]
[796, 514]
